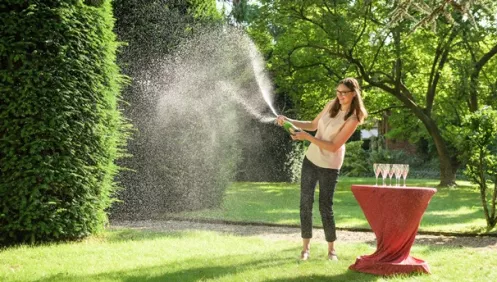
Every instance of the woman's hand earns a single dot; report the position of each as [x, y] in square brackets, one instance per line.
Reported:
[300, 136]
[280, 120]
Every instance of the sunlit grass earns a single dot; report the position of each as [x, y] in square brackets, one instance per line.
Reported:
[130, 255]
[455, 210]
[126, 255]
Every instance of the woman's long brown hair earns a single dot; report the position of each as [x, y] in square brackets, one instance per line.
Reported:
[356, 106]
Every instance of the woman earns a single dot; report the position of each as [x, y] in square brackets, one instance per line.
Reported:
[324, 157]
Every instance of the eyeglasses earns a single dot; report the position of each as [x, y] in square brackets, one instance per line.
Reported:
[342, 93]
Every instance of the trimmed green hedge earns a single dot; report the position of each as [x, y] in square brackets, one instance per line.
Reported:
[60, 128]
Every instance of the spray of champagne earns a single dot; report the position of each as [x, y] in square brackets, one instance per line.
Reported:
[266, 87]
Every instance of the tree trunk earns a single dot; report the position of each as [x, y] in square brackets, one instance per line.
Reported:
[448, 166]
[447, 171]
[493, 221]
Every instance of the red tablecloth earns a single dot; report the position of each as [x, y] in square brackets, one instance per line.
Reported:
[394, 214]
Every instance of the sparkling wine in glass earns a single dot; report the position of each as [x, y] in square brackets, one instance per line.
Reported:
[377, 170]
[385, 168]
[391, 172]
[405, 171]
[398, 173]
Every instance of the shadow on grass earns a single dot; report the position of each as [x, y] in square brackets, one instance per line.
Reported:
[120, 235]
[348, 276]
[199, 269]
[457, 242]
[437, 242]
[112, 236]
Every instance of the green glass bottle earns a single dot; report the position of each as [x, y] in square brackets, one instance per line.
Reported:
[290, 128]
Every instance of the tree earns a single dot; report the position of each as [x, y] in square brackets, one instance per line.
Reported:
[478, 140]
[312, 44]
[241, 12]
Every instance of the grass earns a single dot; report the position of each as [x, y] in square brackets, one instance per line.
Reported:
[453, 210]
[141, 255]
[127, 255]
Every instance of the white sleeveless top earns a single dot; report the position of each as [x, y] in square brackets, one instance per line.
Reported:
[328, 128]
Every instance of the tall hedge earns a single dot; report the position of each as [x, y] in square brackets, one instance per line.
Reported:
[60, 127]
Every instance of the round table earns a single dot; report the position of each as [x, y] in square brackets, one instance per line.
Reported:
[394, 214]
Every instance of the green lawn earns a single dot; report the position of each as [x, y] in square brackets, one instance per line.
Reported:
[456, 210]
[131, 255]
[126, 255]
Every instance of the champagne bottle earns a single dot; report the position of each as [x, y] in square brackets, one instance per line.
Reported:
[290, 128]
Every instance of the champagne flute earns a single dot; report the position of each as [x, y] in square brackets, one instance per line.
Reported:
[391, 172]
[377, 170]
[405, 171]
[398, 174]
[385, 168]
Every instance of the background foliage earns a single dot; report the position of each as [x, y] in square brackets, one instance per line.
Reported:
[478, 140]
[419, 82]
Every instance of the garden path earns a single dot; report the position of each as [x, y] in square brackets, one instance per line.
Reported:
[293, 233]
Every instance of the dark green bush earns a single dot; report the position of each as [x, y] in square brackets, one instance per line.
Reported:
[60, 129]
[359, 162]
[356, 162]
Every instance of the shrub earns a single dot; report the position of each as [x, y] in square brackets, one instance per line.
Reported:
[59, 124]
[359, 162]
[478, 140]
[356, 162]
